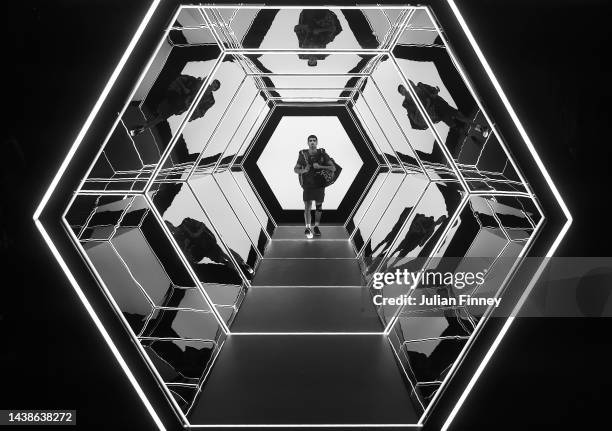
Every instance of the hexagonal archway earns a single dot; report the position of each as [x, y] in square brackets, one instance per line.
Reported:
[176, 222]
[270, 160]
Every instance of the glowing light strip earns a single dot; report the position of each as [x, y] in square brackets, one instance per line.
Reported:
[484, 319]
[51, 189]
[306, 333]
[99, 325]
[95, 109]
[256, 6]
[308, 426]
[550, 183]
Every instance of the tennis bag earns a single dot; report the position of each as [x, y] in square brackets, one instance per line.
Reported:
[325, 177]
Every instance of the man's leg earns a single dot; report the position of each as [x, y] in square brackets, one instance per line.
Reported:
[307, 206]
[318, 213]
[307, 230]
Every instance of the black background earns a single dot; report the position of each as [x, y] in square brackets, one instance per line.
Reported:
[549, 56]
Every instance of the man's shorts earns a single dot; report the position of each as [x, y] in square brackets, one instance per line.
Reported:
[314, 194]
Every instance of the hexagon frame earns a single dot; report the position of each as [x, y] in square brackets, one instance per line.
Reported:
[48, 214]
[249, 163]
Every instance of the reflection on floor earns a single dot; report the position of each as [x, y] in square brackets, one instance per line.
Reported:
[306, 285]
[276, 379]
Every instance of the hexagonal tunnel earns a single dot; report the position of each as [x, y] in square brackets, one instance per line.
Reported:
[191, 216]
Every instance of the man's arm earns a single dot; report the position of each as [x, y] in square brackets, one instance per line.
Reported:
[329, 167]
[327, 164]
[299, 166]
[299, 170]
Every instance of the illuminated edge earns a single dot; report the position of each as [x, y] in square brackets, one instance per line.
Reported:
[53, 186]
[554, 190]
[105, 334]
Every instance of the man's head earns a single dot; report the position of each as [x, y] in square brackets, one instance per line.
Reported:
[401, 90]
[215, 85]
[312, 142]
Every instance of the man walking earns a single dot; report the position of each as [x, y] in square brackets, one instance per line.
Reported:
[309, 166]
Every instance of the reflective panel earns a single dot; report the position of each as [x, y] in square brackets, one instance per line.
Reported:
[244, 213]
[231, 122]
[158, 106]
[392, 221]
[431, 75]
[222, 216]
[124, 290]
[369, 195]
[405, 124]
[189, 18]
[376, 209]
[253, 200]
[321, 29]
[199, 241]
[285, 63]
[181, 324]
[424, 227]
[431, 360]
[216, 103]
[179, 361]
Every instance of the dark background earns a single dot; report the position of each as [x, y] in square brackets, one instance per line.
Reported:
[549, 56]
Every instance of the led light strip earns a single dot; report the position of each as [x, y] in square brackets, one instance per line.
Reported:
[553, 188]
[83, 131]
[53, 186]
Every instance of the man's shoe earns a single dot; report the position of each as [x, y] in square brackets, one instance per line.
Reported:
[317, 231]
[137, 131]
[308, 233]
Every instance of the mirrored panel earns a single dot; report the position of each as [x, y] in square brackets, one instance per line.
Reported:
[253, 200]
[312, 28]
[366, 199]
[234, 121]
[305, 64]
[159, 104]
[376, 209]
[242, 209]
[144, 279]
[432, 76]
[380, 143]
[223, 101]
[406, 125]
[196, 237]
[227, 224]
[424, 227]
[392, 221]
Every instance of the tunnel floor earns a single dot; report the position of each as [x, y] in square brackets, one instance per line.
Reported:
[308, 285]
[334, 380]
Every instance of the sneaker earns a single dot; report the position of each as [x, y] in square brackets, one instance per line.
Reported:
[317, 231]
[137, 131]
[308, 233]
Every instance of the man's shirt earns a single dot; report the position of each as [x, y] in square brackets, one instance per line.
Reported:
[309, 179]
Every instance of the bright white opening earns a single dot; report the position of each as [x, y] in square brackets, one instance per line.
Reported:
[281, 153]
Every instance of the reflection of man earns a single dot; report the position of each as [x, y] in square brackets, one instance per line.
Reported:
[316, 28]
[388, 240]
[371, 260]
[198, 242]
[309, 166]
[437, 108]
[420, 231]
[178, 98]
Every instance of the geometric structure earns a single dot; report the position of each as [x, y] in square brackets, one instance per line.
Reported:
[172, 224]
